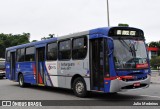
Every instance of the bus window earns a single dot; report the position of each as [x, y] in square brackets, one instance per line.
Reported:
[79, 48]
[20, 55]
[52, 51]
[64, 52]
[8, 56]
[30, 54]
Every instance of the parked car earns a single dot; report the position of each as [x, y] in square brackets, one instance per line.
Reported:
[2, 68]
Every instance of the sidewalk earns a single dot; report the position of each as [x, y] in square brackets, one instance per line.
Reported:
[155, 77]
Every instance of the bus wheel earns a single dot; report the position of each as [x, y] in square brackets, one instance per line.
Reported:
[21, 80]
[113, 93]
[79, 87]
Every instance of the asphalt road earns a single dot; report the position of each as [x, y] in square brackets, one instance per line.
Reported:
[10, 90]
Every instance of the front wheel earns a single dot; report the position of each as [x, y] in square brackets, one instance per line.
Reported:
[79, 87]
[21, 81]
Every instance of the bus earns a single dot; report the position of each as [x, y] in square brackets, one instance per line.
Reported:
[107, 59]
[2, 68]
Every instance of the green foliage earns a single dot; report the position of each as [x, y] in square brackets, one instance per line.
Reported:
[155, 44]
[8, 40]
[34, 40]
[50, 36]
[155, 62]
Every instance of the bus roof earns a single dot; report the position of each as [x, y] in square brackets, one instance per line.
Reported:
[102, 30]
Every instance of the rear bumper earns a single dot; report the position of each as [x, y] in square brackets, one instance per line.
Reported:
[119, 85]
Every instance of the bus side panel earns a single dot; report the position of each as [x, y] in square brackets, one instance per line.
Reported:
[51, 73]
[47, 79]
[8, 70]
[27, 69]
[61, 72]
[67, 69]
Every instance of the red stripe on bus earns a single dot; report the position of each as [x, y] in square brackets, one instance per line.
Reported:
[111, 78]
[34, 69]
[40, 79]
[119, 77]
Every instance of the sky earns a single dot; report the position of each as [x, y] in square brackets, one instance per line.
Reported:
[61, 17]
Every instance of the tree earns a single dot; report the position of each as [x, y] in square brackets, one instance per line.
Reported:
[34, 40]
[155, 62]
[155, 44]
[8, 40]
[50, 36]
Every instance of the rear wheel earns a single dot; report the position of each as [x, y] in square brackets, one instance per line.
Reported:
[21, 81]
[79, 87]
[113, 93]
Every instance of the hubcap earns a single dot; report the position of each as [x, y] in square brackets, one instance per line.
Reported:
[79, 87]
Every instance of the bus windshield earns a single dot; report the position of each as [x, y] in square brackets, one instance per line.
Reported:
[130, 54]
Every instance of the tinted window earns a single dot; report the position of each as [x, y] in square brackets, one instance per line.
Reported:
[8, 58]
[79, 48]
[52, 51]
[30, 54]
[64, 50]
[20, 55]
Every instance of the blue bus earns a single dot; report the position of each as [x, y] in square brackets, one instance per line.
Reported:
[108, 59]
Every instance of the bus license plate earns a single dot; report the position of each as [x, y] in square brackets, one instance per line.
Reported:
[136, 84]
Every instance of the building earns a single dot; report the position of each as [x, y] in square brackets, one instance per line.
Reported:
[152, 51]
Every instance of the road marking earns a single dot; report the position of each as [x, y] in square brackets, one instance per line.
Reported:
[150, 96]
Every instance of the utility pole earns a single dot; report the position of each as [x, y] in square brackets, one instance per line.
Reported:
[108, 13]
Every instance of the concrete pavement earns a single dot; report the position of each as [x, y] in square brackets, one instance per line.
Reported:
[155, 77]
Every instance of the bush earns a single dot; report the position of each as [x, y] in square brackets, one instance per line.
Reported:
[155, 62]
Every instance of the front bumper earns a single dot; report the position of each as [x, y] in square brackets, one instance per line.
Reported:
[120, 85]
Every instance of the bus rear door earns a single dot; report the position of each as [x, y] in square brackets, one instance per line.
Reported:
[40, 65]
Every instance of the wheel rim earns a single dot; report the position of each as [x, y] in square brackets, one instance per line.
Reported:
[21, 80]
[79, 87]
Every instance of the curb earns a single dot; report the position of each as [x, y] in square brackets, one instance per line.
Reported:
[154, 82]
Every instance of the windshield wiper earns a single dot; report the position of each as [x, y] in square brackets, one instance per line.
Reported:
[129, 48]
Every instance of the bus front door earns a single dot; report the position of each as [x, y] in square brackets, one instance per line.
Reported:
[98, 63]
[40, 65]
[13, 66]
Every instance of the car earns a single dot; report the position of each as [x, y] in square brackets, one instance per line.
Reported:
[2, 68]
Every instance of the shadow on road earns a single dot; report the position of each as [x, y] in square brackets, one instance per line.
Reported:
[92, 95]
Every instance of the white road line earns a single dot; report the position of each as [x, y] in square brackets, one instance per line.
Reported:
[150, 96]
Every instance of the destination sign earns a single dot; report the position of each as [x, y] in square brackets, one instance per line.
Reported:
[125, 32]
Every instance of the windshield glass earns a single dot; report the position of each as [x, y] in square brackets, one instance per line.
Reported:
[129, 54]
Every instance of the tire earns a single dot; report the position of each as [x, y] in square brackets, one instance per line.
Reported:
[113, 93]
[21, 80]
[79, 87]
